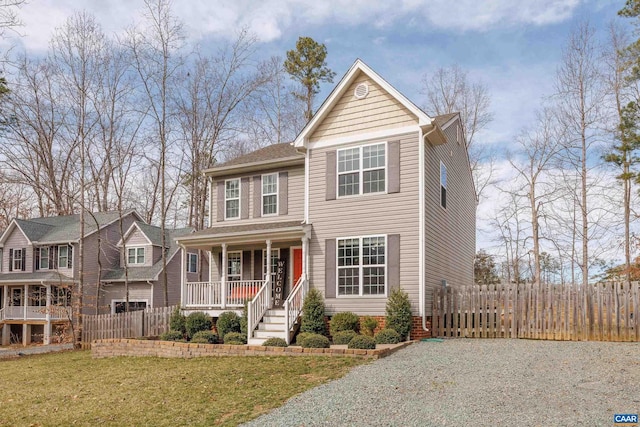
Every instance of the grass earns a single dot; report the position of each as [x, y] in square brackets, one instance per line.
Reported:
[72, 388]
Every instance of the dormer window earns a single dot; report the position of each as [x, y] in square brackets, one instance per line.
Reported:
[232, 198]
[135, 256]
[18, 259]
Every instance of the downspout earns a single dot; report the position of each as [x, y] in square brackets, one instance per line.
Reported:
[421, 219]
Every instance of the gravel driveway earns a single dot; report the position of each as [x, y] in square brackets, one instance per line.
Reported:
[480, 382]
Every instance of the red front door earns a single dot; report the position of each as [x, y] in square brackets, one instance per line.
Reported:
[297, 265]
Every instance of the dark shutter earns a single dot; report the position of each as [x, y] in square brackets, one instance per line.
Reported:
[393, 261]
[331, 175]
[246, 265]
[220, 202]
[283, 193]
[70, 257]
[330, 268]
[221, 268]
[244, 198]
[36, 252]
[393, 185]
[257, 265]
[257, 196]
[10, 259]
[24, 259]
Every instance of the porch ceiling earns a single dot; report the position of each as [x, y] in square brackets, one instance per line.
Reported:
[245, 234]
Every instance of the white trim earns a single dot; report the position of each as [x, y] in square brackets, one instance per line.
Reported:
[226, 266]
[361, 266]
[127, 233]
[262, 194]
[239, 199]
[291, 248]
[361, 170]
[384, 134]
[306, 187]
[136, 248]
[114, 301]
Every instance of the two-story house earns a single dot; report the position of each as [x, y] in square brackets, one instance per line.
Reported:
[39, 270]
[372, 195]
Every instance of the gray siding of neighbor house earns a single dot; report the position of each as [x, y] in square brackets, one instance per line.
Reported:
[291, 207]
[17, 240]
[450, 234]
[174, 279]
[371, 214]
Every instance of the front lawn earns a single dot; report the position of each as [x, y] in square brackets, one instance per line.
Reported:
[72, 388]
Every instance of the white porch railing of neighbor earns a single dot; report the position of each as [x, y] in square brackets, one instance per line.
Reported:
[293, 305]
[20, 312]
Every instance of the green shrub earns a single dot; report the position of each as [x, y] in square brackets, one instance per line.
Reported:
[343, 337]
[205, 337]
[172, 336]
[228, 322]
[315, 341]
[233, 337]
[369, 324]
[387, 336]
[345, 321]
[301, 337]
[362, 342]
[275, 342]
[313, 313]
[196, 322]
[244, 319]
[399, 313]
[177, 321]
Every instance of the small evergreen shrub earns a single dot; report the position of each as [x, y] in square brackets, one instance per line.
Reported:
[387, 336]
[244, 319]
[362, 342]
[369, 324]
[172, 336]
[345, 321]
[227, 322]
[235, 337]
[399, 313]
[205, 337]
[301, 337]
[343, 337]
[196, 322]
[315, 341]
[313, 313]
[177, 321]
[275, 342]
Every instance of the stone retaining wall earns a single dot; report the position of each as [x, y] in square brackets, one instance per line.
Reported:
[132, 347]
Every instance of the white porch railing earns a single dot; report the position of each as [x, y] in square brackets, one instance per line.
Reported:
[258, 306]
[209, 294]
[18, 312]
[293, 306]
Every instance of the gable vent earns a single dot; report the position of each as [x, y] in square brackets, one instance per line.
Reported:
[361, 91]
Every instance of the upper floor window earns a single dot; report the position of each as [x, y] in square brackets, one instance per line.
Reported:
[362, 266]
[135, 256]
[362, 170]
[192, 263]
[64, 257]
[270, 194]
[443, 185]
[43, 258]
[18, 259]
[232, 198]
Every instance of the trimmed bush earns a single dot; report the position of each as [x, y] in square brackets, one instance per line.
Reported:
[362, 342]
[227, 322]
[172, 336]
[345, 321]
[387, 336]
[369, 324]
[315, 341]
[205, 337]
[313, 313]
[275, 342]
[233, 337]
[343, 337]
[177, 321]
[197, 322]
[399, 313]
[301, 337]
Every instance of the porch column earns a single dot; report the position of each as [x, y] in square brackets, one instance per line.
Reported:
[268, 274]
[223, 276]
[183, 276]
[305, 252]
[25, 301]
[5, 297]
[47, 325]
[5, 328]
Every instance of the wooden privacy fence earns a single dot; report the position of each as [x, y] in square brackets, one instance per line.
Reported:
[598, 312]
[143, 323]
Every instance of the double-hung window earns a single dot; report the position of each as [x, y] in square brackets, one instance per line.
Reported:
[192, 263]
[443, 185]
[135, 256]
[18, 259]
[270, 194]
[361, 266]
[362, 170]
[232, 198]
[64, 256]
[234, 266]
[43, 257]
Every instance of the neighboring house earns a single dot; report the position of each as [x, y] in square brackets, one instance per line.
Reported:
[141, 252]
[39, 270]
[373, 195]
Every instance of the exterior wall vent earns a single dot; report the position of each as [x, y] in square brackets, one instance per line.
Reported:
[361, 91]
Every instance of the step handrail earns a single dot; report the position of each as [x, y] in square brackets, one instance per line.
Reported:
[258, 306]
[293, 306]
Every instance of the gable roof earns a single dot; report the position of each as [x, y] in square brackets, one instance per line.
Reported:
[274, 155]
[335, 95]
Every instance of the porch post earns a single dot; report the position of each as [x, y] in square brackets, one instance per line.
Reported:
[47, 326]
[268, 274]
[183, 276]
[223, 276]
[25, 301]
[5, 297]
[5, 303]
[305, 251]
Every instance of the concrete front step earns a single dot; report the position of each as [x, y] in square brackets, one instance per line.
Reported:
[277, 327]
[273, 319]
[269, 334]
